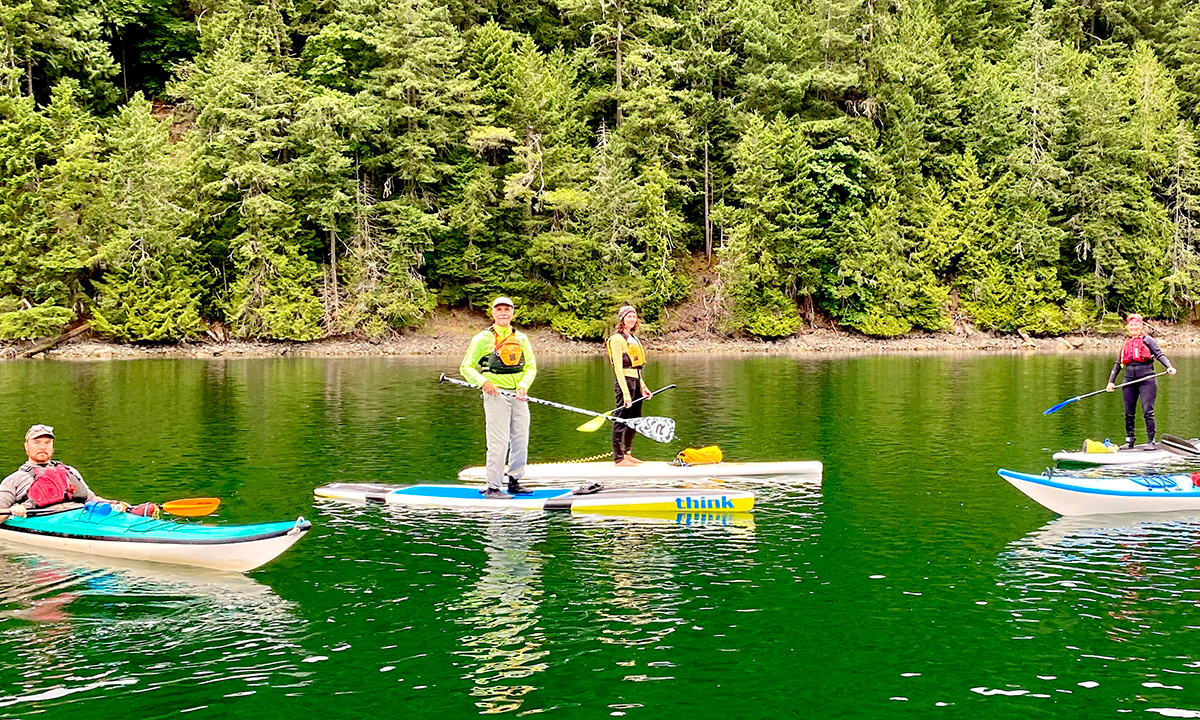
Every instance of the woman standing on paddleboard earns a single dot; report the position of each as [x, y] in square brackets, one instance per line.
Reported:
[1137, 358]
[628, 357]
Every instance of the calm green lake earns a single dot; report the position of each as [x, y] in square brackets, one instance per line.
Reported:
[910, 582]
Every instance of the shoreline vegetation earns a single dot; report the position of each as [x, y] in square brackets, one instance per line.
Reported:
[448, 332]
[293, 172]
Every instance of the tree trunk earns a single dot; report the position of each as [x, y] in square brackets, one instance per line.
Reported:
[620, 39]
[708, 248]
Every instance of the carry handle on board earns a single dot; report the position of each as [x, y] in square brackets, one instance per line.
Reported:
[659, 429]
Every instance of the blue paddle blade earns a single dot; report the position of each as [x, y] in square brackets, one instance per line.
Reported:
[1060, 406]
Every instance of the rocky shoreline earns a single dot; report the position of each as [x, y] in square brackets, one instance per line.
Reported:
[447, 335]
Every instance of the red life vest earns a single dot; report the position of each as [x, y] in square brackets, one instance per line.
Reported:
[51, 485]
[1135, 351]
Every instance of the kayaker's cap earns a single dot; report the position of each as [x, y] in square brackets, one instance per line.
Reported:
[1134, 318]
[38, 431]
[502, 301]
[625, 310]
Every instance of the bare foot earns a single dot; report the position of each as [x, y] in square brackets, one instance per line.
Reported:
[635, 460]
[627, 462]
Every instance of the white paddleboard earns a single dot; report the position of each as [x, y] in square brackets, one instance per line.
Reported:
[652, 470]
[681, 500]
[1125, 456]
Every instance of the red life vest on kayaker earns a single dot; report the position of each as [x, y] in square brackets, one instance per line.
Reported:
[51, 485]
[1135, 351]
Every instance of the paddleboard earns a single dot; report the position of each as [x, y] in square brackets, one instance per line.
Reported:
[1124, 456]
[656, 470]
[682, 500]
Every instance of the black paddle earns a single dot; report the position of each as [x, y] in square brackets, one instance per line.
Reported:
[1179, 446]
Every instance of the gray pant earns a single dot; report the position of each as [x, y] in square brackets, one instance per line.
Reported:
[507, 437]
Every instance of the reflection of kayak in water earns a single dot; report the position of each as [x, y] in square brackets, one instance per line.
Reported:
[652, 470]
[687, 500]
[1068, 495]
[238, 548]
[1073, 532]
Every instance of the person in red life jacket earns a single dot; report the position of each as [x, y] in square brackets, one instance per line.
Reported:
[628, 357]
[42, 482]
[500, 358]
[1137, 359]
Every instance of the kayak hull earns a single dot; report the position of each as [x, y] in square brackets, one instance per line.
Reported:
[651, 470]
[682, 500]
[237, 548]
[1094, 496]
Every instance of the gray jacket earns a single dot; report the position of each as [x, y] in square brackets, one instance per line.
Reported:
[14, 489]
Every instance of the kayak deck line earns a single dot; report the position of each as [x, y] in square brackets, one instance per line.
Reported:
[661, 500]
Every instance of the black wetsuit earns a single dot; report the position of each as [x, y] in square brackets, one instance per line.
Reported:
[1147, 390]
[622, 435]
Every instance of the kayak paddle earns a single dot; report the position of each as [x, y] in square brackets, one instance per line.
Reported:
[191, 507]
[1065, 403]
[658, 429]
[595, 423]
[1179, 446]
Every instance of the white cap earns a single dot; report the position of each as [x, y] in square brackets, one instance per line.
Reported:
[503, 301]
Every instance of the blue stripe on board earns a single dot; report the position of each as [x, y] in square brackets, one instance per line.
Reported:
[467, 492]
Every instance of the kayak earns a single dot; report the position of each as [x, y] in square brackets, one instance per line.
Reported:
[1068, 495]
[651, 470]
[240, 548]
[1149, 453]
[682, 500]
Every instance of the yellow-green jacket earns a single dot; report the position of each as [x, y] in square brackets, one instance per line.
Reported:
[481, 346]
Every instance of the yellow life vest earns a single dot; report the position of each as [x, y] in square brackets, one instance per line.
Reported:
[634, 355]
[506, 358]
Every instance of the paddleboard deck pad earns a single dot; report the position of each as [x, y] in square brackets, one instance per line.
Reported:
[703, 500]
[656, 470]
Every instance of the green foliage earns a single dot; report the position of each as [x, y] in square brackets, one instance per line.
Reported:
[340, 167]
[28, 323]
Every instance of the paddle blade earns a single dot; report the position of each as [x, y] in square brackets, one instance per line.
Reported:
[1179, 446]
[592, 425]
[191, 507]
[658, 429]
[1060, 406]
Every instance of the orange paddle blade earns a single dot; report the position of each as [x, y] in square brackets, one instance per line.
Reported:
[191, 507]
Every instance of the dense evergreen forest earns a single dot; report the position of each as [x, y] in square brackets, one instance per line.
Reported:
[295, 169]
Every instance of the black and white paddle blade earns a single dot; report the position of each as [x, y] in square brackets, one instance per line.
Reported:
[658, 429]
[1179, 446]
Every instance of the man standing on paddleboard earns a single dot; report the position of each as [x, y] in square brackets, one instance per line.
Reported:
[500, 358]
[1137, 358]
[41, 481]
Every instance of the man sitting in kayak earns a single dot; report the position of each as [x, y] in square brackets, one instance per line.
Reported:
[42, 482]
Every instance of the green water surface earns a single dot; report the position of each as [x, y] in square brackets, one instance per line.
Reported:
[910, 581]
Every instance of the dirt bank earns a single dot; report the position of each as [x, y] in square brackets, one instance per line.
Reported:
[447, 334]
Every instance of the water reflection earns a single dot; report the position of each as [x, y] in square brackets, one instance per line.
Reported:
[72, 625]
[1134, 570]
[502, 608]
